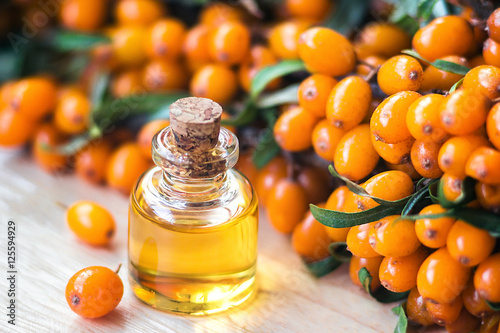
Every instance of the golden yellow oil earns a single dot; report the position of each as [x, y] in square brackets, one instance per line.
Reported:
[182, 267]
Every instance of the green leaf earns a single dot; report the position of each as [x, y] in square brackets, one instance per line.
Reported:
[382, 295]
[283, 96]
[402, 325]
[269, 73]
[99, 88]
[443, 65]
[407, 23]
[267, 147]
[467, 194]
[77, 143]
[456, 85]
[416, 198]
[347, 15]
[424, 9]
[65, 40]
[245, 116]
[339, 251]
[493, 306]
[322, 267]
[433, 189]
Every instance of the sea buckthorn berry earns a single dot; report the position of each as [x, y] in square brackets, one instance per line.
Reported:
[406, 168]
[423, 119]
[125, 165]
[293, 129]
[215, 82]
[164, 39]
[416, 309]
[313, 10]
[400, 73]
[341, 200]
[325, 138]
[491, 52]
[195, 46]
[314, 182]
[355, 156]
[465, 323]
[452, 186]
[474, 303]
[487, 278]
[454, 153]
[91, 162]
[434, 78]
[493, 125]
[34, 97]
[484, 78]
[488, 196]
[469, 245]
[284, 38]
[348, 102]
[268, 176]
[126, 83]
[424, 157]
[358, 242]
[45, 141]
[493, 25]
[489, 324]
[313, 93]
[388, 185]
[444, 36]
[316, 42]
[286, 205]
[91, 222]
[259, 57]
[445, 313]
[139, 12]
[441, 278]
[399, 274]
[309, 239]
[230, 43]
[483, 165]
[388, 122]
[246, 166]
[94, 291]
[216, 13]
[368, 64]
[395, 153]
[72, 113]
[383, 39]
[127, 44]
[164, 75]
[147, 132]
[371, 264]
[83, 15]
[392, 238]
[433, 233]
[15, 128]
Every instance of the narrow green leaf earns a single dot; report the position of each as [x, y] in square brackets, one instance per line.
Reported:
[322, 267]
[65, 40]
[339, 251]
[381, 295]
[433, 189]
[77, 143]
[417, 197]
[407, 23]
[269, 73]
[493, 306]
[456, 85]
[283, 96]
[424, 9]
[265, 151]
[347, 15]
[402, 325]
[99, 88]
[443, 65]
[467, 194]
[245, 116]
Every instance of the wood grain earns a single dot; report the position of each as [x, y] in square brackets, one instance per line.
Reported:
[289, 298]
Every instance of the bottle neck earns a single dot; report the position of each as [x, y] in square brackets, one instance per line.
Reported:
[193, 189]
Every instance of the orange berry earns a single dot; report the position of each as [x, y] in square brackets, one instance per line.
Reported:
[91, 162]
[487, 278]
[465, 323]
[309, 239]
[147, 132]
[34, 97]
[469, 245]
[15, 128]
[269, 176]
[94, 291]
[45, 141]
[489, 324]
[491, 52]
[388, 122]
[127, 44]
[313, 93]
[164, 75]
[441, 278]
[444, 36]
[392, 238]
[195, 47]
[371, 264]
[488, 196]
[125, 165]
[424, 157]
[484, 78]
[216, 13]
[400, 73]
[433, 232]
[313, 10]
[358, 241]
[434, 78]
[474, 303]
[368, 64]
[423, 119]
[286, 205]
[316, 42]
[258, 58]
[493, 125]
[463, 112]
[83, 15]
[314, 182]
[229, 43]
[493, 25]
[383, 39]
[406, 168]
[341, 200]
[454, 153]
[416, 309]
[483, 165]
[349, 102]
[284, 38]
[165, 37]
[139, 12]
[215, 82]
[246, 166]
[126, 83]
[72, 113]
[388, 185]
[293, 129]
[452, 186]
[91, 222]
[399, 274]
[395, 153]
[325, 138]
[445, 313]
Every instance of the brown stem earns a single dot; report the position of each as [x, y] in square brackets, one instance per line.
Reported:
[118, 269]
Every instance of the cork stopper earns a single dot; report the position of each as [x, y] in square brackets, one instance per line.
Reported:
[195, 123]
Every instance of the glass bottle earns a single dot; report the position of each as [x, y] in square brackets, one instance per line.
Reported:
[193, 219]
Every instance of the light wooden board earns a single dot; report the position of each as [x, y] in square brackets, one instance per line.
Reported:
[289, 298]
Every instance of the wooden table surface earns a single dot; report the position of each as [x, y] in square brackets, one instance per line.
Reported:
[48, 254]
